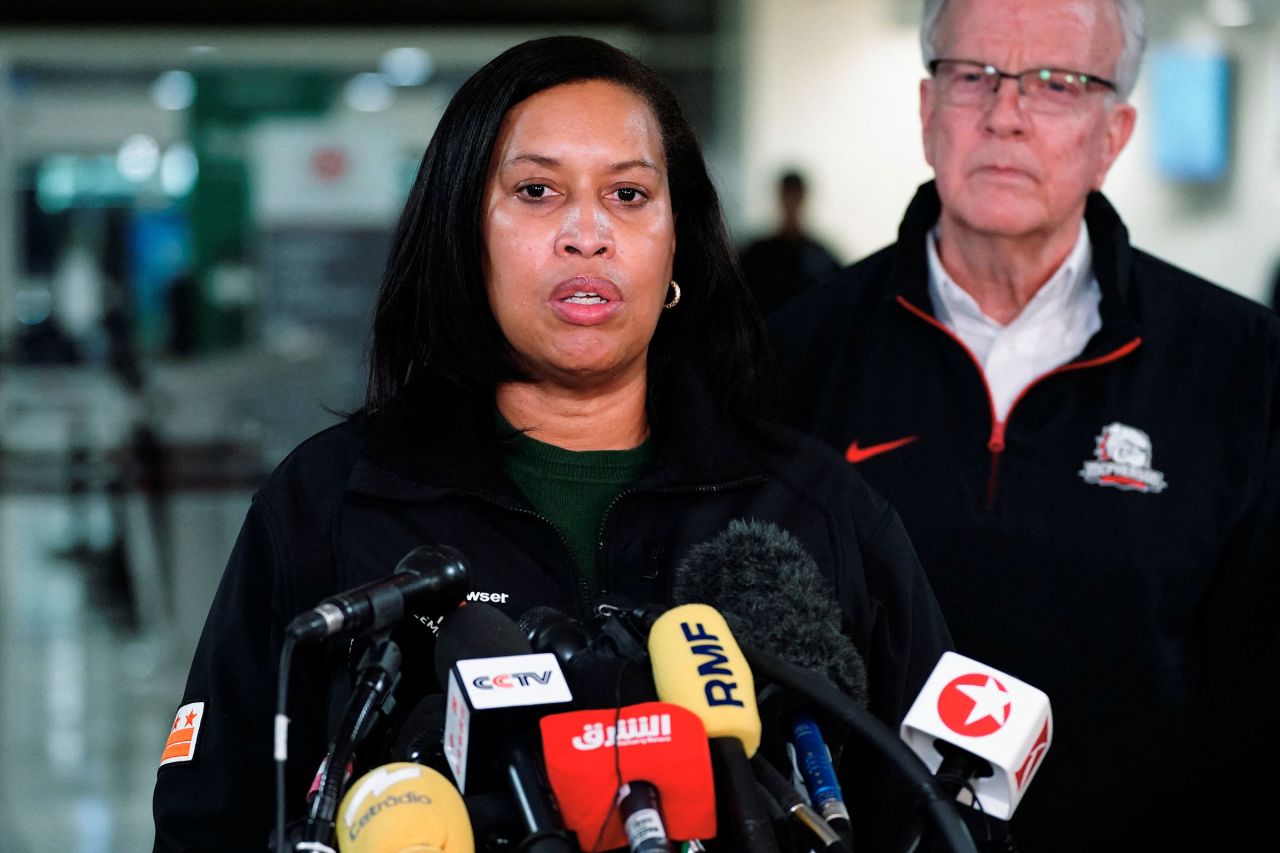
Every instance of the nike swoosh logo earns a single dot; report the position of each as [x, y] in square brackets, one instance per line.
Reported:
[856, 454]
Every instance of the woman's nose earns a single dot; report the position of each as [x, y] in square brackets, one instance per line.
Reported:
[586, 231]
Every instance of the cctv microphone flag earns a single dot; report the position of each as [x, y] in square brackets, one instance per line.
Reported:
[589, 753]
[985, 712]
[510, 683]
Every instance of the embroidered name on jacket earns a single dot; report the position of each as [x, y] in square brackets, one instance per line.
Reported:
[1123, 461]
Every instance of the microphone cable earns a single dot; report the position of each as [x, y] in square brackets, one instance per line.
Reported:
[281, 737]
[617, 755]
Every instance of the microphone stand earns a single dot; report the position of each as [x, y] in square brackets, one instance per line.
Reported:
[376, 680]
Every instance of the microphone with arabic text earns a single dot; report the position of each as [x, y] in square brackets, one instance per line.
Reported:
[638, 775]
[403, 808]
[697, 664]
[983, 732]
[495, 690]
[772, 594]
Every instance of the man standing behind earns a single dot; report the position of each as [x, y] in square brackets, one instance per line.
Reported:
[779, 266]
[1081, 438]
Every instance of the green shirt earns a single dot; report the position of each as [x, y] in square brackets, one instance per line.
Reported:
[573, 488]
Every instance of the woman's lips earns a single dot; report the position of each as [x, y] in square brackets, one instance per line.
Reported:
[585, 300]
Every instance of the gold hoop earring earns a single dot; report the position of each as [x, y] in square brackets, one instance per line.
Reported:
[675, 300]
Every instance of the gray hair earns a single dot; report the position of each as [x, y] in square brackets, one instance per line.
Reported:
[1133, 22]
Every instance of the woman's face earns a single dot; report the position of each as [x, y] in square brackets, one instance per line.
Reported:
[579, 233]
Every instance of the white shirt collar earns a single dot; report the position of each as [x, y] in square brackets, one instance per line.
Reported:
[1050, 330]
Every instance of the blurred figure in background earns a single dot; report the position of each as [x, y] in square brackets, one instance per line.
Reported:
[786, 262]
[1083, 440]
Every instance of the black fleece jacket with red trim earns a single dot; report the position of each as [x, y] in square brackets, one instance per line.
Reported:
[1114, 541]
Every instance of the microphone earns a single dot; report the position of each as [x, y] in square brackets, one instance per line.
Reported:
[773, 595]
[495, 686]
[429, 576]
[403, 808]
[981, 731]
[697, 664]
[775, 598]
[421, 736]
[797, 809]
[818, 772]
[647, 754]
[370, 699]
[606, 671]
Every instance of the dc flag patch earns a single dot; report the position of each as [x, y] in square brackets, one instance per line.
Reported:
[181, 745]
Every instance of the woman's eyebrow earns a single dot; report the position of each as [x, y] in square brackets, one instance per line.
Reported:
[552, 162]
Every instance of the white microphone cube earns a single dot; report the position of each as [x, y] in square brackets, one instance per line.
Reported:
[481, 685]
[994, 716]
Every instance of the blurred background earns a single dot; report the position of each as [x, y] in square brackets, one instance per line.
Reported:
[195, 205]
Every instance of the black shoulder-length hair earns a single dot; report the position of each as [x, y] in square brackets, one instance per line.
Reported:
[432, 314]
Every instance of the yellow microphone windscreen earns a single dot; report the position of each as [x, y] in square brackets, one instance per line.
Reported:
[403, 808]
[697, 664]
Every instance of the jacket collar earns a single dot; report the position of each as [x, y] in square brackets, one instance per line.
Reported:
[441, 438]
[1112, 264]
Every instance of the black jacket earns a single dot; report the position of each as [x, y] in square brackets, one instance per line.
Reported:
[1139, 592]
[348, 503]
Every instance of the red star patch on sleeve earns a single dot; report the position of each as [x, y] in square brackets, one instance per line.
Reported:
[181, 745]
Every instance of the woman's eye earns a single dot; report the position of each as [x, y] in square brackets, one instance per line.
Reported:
[629, 194]
[533, 190]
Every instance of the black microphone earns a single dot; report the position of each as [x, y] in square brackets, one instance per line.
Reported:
[429, 576]
[421, 736]
[494, 816]
[496, 689]
[774, 597]
[609, 670]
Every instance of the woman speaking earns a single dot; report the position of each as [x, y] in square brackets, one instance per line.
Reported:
[564, 376]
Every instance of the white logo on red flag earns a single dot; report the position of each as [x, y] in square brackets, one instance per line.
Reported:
[974, 705]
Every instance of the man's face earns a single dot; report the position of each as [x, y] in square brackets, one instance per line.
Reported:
[1003, 170]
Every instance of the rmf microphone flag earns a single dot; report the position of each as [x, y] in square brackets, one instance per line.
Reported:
[987, 713]
[403, 808]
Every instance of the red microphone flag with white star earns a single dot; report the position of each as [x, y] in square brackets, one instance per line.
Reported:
[988, 713]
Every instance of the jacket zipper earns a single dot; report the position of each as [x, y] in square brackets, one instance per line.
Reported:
[580, 583]
[672, 490]
[585, 599]
[995, 443]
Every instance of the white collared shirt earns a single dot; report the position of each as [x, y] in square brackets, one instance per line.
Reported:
[1051, 329]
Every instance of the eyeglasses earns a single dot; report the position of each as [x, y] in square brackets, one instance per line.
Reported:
[1051, 91]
